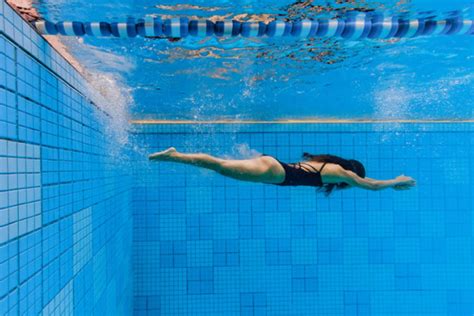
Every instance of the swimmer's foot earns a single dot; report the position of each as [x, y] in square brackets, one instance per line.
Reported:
[164, 155]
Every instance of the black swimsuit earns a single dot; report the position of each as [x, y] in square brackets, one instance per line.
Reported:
[301, 173]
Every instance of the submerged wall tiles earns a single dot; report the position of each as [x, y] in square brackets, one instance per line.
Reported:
[65, 216]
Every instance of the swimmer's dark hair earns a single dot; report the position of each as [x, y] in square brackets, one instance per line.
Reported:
[353, 165]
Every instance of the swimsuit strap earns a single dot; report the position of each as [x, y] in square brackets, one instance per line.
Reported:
[324, 164]
[309, 165]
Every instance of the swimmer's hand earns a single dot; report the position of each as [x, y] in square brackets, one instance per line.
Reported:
[403, 182]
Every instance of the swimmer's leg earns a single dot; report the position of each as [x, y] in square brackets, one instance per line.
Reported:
[261, 169]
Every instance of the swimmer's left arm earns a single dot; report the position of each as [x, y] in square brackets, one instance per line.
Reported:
[399, 183]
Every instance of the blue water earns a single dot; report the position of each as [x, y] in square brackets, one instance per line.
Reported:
[207, 245]
[267, 78]
[89, 226]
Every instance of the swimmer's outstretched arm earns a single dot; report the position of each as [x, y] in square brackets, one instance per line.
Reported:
[401, 182]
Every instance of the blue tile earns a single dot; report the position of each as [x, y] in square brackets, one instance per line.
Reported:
[311, 284]
[220, 246]
[232, 245]
[247, 311]
[272, 258]
[194, 287]
[233, 259]
[166, 261]
[246, 300]
[260, 299]
[179, 247]
[298, 285]
[298, 271]
[207, 287]
[220, 259]
[272, 245]
[260, 311]
[207, 274]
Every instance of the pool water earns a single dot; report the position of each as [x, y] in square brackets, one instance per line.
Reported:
[280, 78]
[89, 226]
[207, 245]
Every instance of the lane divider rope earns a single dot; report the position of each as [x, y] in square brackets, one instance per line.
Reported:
[355, 27]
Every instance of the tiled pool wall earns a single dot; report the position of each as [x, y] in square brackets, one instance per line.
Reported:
[207, 245]
[65, 207]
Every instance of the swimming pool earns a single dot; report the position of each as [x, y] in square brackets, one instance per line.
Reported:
[206, 245]
[89, 226]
